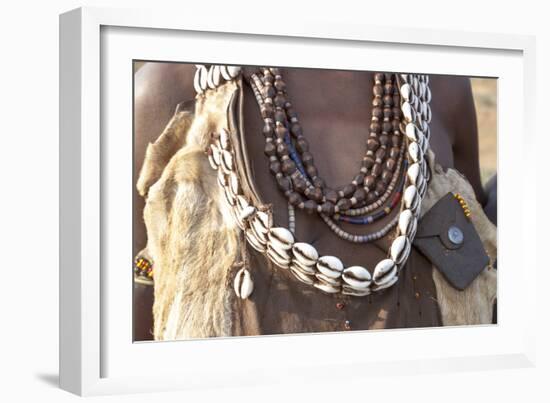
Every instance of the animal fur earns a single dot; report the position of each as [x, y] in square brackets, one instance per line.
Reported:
[194, 241]
[191, 234]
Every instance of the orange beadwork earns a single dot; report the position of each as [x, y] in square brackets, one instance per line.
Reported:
[464, 205]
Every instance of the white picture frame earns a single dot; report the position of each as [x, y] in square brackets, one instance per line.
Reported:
[96, 354]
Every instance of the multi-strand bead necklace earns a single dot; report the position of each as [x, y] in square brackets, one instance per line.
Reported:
[293, 165]
[393, 173]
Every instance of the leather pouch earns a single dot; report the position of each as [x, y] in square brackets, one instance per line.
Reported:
[450, 241]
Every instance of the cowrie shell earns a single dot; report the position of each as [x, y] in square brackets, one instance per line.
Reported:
[406, 108]
[305, 253]
[330, 266]
[246, 213]
[225, 73]
[224, 139]
[304, 278]
[357, 277]
[328, 280]
[203, 77]
[283, 261]
[216, 75]
[383, 286]
[329, 289]
[281, 237]
[310, 270]
[227, 161]
[233, 71]
[406, 222]
[347, 290]
[414, 152]
[400, 249]
[405, 91]
[243, 284]
[197, 80]
[411, 197]
[384, 271]
[254, 242]
[209, 78]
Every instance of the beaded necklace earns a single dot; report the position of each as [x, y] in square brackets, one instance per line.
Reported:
[326, 273]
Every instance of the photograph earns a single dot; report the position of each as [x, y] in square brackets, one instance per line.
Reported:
[274, 200]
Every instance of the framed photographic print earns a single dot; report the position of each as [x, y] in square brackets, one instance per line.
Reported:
[237, 203]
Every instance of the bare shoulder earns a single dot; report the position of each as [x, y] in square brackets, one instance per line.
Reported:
[452, 97]
[158, 89]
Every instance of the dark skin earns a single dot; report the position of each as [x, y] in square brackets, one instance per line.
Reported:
[334, 108]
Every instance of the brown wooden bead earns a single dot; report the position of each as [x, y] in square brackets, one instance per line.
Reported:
[301, 144]
[386, 127]
[377, 112]
[275, 167]
[372, 143]
[296, 129]
[268, 91]
[384, 139]
[376, 169]
[388, 76]
[279, 116]
[360, 195]
[268, 78]
[318, 182]
[280, 85]
[375, 127]
[394, 152]
[388, 89]
[310, 206]
[279, 100]
[288, 167]
[377, 102]
[396, 140]
[348, 190]
[370, 181]
[379, 77]
[359, 179]
[397, 112]
[387, 176]
[390, 164]
[281, 131]
[266, 110]
[343, 204]
[331, 196]
[368, 161]
[388, 113]
[388, 100]
[371, 197]
[378, 90]
[380, 187]
[269, 149]
[380, 153]
[327, 208]
[284, 183]
[267, 130]
[299, 184]
[311, 171]
[294, 198]
[307, 158]
[282, 149]
[314, 193]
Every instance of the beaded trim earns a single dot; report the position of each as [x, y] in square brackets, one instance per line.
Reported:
[327, 273]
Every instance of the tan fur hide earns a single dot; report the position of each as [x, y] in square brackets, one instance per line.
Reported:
[194, 242]
[191, 234]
